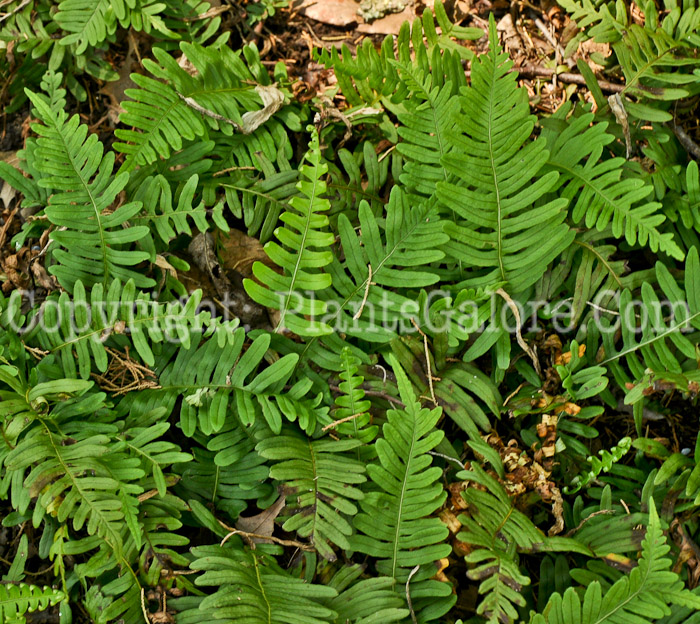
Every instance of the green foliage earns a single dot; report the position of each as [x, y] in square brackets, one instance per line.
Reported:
[501, 216]
[306, 242]
[17, 600]
[643, 596]
[451, 276]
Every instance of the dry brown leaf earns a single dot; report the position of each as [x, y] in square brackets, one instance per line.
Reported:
[389, 24]
[262, 523]
[332, 12]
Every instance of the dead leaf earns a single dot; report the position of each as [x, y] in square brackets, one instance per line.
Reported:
[7, 193]
[262, 523]
[272, 99]
[332, 12]
[389, 24]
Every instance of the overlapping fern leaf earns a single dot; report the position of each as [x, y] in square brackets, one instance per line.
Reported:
[506, 231]
[642, 597]
[212, 376]
[84, 327]
[251, 587]
[82, 206]
[495, 532]
[306, 240]
[598, 189]
[365, 301]
[656, 340]
[322, 481]
[395, 524]
[165, 111]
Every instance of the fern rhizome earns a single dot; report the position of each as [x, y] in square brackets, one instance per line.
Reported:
[408, 346]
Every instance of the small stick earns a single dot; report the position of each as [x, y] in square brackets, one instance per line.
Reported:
[205, 111]
[532, 71]
[358, 314]
[427, 361]
[335, 423]
[271, 538]
[523, 345]
[685, 140]
[408, 594]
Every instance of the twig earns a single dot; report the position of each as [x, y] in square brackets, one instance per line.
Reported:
[358, 314]
[685, 140]
[408, 594]
[553, 42]
[335, 423]
[518, 336]
[205, 111]
[143, 606]
[375, 393]
[533, 71]
[271, 538]
[17, 9]
[587, 518]
[448, 458]
[427, 362]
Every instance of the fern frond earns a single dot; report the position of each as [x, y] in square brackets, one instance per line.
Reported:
[599, 191]
[496, 531]
[657, 340]
[366, 303]
[395, 524]
[322, 481]
[607, 459]
[160, 115]
[17, 600]
[169, 220]
[81, 206]
[82, 326]
[428, 118]
[506, 233]
[306, 253]
[365, 601]
[72, 481]
[210, 376]
[351, 405]
[643, 596]
[252, 588]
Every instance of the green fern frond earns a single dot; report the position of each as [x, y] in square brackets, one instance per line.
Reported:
[644, 596]
[322, 481]
[82, 326]
[305, 255]
[18, 600]
[607, 459]
[252, 588]
[506, 233]
[168, 220]
[395, 524]
[365, 301]
[351, 404]
[160, 115]
[598, 189]
[367, 601]
[371, 76]
[496, 532]
[84, 191]
[654, 341]
[72, 481]
[211, 376]
[429, 115]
